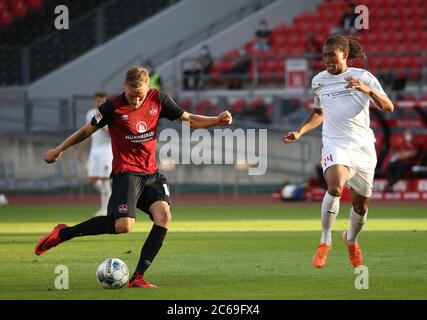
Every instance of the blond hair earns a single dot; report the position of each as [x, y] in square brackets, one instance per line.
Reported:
[137, 77]
[100, 94]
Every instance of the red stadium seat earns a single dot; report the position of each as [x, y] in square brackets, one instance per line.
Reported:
[238, 106]
[34, 4]
[415, 64]
[207, 107]
[6, 18]
[396, 30]
[186, 104]
[18, 8]
[257, 104]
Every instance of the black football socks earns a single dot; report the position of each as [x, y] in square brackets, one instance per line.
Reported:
[150, 249]
[91, 227]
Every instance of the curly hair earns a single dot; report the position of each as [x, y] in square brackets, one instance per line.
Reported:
[347, 44]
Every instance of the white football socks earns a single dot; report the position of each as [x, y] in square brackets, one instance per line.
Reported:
[330, 209]
[356, 225]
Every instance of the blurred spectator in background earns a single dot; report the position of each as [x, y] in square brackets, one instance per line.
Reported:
[205, 59]
[262, 37]
[191, 69]
[347, 22]
[238, 72]
[404, 156]
[312, 45]
[155, 78]
[195, 71]
[205, 63]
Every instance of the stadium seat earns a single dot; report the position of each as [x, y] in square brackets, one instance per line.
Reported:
[207, 107]
[6, 18]
[238, 106]
[186, 104]
[34, 4]
[261, 109]
[18, 8]
[398, 28]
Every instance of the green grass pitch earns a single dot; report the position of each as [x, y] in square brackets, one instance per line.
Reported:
[221, 252]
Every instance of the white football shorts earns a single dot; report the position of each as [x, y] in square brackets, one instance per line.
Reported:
[100, 164]
[360, 160]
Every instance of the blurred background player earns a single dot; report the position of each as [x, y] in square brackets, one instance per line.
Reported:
[132, 118]
[155, 77]
[100, 157]
[403, 158]
[347, 22]
[342, 97]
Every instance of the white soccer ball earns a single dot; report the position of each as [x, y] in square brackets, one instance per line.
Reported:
[112, 273]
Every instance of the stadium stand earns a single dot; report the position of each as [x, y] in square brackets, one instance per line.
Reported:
[28, 32]
[395, 40]
[395, 44]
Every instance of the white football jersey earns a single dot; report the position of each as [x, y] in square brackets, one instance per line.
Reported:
[346, 121]
[100, 139]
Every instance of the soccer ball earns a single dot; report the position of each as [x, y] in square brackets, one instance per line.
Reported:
[112, 273]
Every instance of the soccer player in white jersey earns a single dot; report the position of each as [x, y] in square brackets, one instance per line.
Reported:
[342, 97]
[100, 157]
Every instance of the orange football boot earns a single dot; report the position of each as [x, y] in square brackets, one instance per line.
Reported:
[321, 255]
[354, 252]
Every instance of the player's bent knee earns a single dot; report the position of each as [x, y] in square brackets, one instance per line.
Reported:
[162, 217]
[124, 225]
[335, 191]
[360, 209]
[161, 214]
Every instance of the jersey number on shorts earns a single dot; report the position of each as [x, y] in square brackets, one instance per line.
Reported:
[327, 159]
[165, 186]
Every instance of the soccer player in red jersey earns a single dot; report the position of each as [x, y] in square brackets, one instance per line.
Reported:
[132, 118]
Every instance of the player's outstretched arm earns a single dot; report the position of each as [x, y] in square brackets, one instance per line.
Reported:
[83, 133]
[314, 120]
[199, 121]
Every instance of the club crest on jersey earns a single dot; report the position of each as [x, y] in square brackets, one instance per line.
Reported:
[153, 110]
[123, 208]
[141, 127]
[98, 116]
